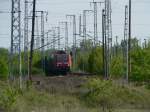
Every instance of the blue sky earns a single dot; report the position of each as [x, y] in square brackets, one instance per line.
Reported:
[59, 8]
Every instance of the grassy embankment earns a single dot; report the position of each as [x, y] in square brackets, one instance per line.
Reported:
[94, 96]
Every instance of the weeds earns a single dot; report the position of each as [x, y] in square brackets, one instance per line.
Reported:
[95, 96]
[109, 96]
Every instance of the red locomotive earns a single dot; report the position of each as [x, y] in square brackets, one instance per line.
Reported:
[59, 62]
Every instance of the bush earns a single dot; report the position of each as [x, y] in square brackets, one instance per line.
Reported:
[99, 94]
[107, 95]
[117, 67]
[3, 63]
[37, 71]
[82, 61]
[8, 96]
[3, 69]
[140, 66]
[95, 62]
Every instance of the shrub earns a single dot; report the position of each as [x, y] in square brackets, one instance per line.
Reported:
[95, 61]
[117, 67]
[99, 94]
[107, 95]
[140, 66]
[3, 69]
[8, 97]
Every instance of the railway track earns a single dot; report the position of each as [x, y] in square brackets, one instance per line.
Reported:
[72, 74]
[81, 74]
[62, 83]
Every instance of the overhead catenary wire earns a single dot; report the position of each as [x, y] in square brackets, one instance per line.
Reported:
[85, 35]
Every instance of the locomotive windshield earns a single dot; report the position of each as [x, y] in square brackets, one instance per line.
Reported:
[62, 58]
[65, 58]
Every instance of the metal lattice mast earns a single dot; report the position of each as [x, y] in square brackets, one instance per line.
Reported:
[125, 53]
[74, 32]
[66, 34]
[42, 30]
[84, 25]
[129, 40]
[104, 44]
[26, 56]
[106, 40]
[74, 29]
[58, 36]
[110, 32]
[53, 40]
[80, 25]
[108, 35]
[116, 46]
[95, 22]
[37, 32]
[42, 40]
[47, 34]
[74, 36]
[48, 39]
[16, 38]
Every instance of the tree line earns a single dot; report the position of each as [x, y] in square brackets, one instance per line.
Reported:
[90, 59]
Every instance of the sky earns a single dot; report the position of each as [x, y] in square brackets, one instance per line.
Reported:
[57, 9]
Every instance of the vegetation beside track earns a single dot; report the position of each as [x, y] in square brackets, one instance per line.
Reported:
[3, 63]
[110, 96]
[90, 60]
[93, 95]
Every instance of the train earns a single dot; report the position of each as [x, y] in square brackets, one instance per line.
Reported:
[58, 62]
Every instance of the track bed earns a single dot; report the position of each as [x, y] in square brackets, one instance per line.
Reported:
[70, 83]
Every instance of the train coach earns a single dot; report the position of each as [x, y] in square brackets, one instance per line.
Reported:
[58, 62]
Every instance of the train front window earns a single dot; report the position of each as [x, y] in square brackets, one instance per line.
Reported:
[59, 58]
[62, 58]
[65, 58]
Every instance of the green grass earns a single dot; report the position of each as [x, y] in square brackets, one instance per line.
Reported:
[14, 100]
[35, 101]
[110, 96]
[96, 96]
[132, 110]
